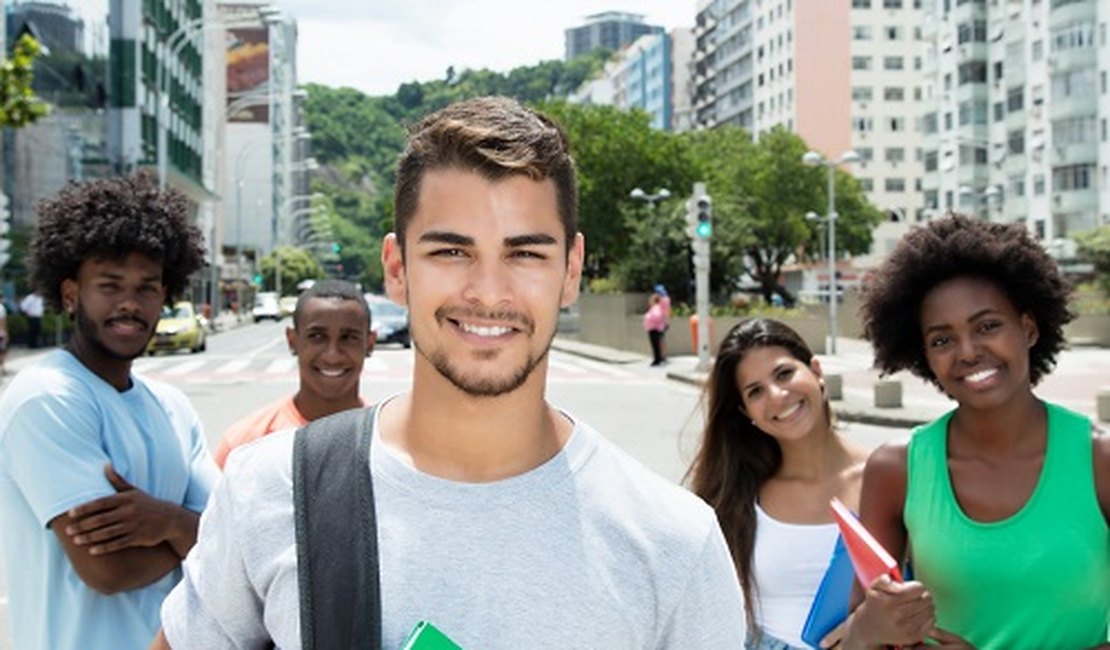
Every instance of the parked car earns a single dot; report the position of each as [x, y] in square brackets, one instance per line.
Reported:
[180, 327]
[389, 320]
[287, 304]
[266, 305]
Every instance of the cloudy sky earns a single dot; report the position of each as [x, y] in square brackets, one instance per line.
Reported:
[375, 45]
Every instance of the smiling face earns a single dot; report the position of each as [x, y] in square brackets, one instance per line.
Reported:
[484, 272]
[116, 304]
[332, 340]
[976, 343]
[781, 394]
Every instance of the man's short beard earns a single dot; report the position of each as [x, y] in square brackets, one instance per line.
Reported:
[91, 336]
[485, 387]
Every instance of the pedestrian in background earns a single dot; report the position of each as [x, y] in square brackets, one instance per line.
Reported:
[655, 324]
[769, 462]
[502, 520]
[103, 473]
[1005, 500]
[33, 308]
[331, 339]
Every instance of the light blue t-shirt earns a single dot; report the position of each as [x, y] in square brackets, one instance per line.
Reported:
[59, 425]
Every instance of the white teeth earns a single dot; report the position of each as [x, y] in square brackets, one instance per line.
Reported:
[788, 412]
[331, 373]
[981, 375]
[485, 331]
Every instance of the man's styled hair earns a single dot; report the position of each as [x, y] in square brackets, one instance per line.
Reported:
[110, 219]
[960, 246]
[496, 137]
[335, 289]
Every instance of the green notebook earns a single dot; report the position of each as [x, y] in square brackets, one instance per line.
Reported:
[426, 636]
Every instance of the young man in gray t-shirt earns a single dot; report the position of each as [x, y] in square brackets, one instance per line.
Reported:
[502, 520]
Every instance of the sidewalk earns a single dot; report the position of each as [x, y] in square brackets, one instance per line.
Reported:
[1079, 375]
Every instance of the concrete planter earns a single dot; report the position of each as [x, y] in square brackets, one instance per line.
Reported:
[1089, 329]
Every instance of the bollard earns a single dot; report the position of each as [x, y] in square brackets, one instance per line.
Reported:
[1102, 404]
[834, 386]
[888, 394]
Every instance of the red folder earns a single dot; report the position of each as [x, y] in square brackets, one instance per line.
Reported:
[869, 558]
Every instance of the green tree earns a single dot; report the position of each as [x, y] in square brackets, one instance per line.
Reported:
[296, 265]
[18, 104]
[617, 151]
[657, 250]
[1094, 246]
[762, 192]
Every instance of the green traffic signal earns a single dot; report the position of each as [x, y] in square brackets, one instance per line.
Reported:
[335, 247]
[705, 229]
[258, 279]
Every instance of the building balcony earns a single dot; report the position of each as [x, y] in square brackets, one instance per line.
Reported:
[1075, 201]
[1066, 12]
[1075, 154]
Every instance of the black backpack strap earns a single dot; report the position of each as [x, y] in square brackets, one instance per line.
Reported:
[337, 534]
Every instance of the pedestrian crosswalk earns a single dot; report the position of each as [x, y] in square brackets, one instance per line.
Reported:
[385, 365]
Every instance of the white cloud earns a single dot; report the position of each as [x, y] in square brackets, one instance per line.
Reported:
[375, 46]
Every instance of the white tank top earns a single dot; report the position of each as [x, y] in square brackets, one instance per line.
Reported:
[788, 563]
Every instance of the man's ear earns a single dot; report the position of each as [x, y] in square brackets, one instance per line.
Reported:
[573, 280]
[371, 339]
[291, 339]
[69, 295]
[393, 266]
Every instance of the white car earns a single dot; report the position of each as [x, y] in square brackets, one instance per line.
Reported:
[266, 305]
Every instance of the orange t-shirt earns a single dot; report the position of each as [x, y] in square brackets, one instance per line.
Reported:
[282, 414]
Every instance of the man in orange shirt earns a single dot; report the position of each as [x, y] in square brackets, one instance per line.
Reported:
[331, 338]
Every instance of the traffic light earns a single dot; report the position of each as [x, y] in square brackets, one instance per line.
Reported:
[5, 229]
[336, 247]
[704, 227]
[258, 279]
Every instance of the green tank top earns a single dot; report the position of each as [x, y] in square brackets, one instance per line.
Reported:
[1039, 579]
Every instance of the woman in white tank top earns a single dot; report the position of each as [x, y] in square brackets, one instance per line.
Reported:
[769, 462]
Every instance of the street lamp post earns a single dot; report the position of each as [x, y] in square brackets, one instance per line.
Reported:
[652, 199]
[814, 159]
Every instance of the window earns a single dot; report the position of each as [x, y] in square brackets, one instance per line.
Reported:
[893, 33]
[929, 123]
[861, 63]
[970, 155]
[998, 71]
[948, 121]
[1073, 36]
[893, 63]
[895, 154]
[1017, 185]
[861, 32]
[1074, 130]
[895, 185]
[863, 124]
[861, 93]
[973, 32]
[861, 4]
[866, 154]
[1038, 184]
[1074, 83]
[1037, 50]
[1072, 177]
[866, 184]
[892, 4]
[931, 161]
[973, 72]
[1015, 99]
[973, 112]
[894, 94]
[897, 124]
[999, 111]
[1016, 140]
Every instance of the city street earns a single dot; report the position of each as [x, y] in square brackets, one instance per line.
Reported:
[654, 419]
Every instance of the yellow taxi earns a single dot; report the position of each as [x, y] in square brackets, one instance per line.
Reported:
[180, 327]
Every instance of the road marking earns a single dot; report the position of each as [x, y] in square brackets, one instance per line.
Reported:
[235, 365]
[374, 364]
[183, 368]
[281, 366]
[563, 366]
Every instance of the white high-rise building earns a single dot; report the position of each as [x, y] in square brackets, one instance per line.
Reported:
[1017, 130]
[842, 75]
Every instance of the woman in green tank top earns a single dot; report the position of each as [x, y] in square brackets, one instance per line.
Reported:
[1002, 504]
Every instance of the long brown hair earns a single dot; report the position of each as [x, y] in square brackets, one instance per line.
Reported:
[736, 457]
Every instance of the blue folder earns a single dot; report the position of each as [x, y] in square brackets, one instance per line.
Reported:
[830, 605]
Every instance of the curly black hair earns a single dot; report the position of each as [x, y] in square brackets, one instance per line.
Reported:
[957, 245]
[112, 218]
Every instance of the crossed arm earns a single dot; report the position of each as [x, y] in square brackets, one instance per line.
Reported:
[126, 540]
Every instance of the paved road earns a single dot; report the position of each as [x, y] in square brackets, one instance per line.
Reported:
[655, 419]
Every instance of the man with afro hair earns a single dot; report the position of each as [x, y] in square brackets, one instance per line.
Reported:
[1004, 501]
[103, 473]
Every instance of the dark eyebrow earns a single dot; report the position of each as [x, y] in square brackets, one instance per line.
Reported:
[444, 237]
[537, 239]
[974, 317]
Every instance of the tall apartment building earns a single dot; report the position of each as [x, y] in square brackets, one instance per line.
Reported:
[842, 75]
[610, 30]
[1017, 130]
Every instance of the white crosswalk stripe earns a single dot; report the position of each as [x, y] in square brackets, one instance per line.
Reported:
[233, 366]
[184, 367]
[281, 366]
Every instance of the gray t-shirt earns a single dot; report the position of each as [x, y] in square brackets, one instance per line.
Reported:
[589, 550]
